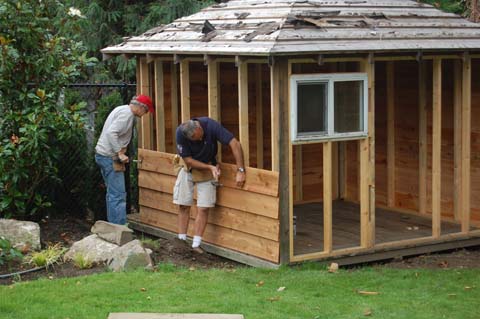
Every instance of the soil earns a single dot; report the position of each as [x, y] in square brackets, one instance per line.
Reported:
[69, 230]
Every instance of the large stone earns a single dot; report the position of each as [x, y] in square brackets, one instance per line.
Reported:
[130, 256]
[92, 248]
[116, 234]
[21, 234]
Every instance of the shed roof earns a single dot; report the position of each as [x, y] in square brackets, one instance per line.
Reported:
[277, 27]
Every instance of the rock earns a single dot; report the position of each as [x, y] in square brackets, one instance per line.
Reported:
[92, 248]
[21, 234]
[113, 233]
[130, 256]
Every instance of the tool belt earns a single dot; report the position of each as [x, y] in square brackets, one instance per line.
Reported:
[198, 175]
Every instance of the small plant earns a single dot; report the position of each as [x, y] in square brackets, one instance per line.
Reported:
[47, 257]
[82, 262]
[150, 243]
[8, 252]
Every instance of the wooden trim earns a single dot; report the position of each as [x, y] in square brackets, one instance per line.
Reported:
[259, 114]
[147, 127]
[376, 58]
[298, 173]
[391, 133]
[243, 111]
[174, 102]
[185, 90]
[457, 137]
[327, 197]
[466, 141]
[159, 106]
[422, 139]
[436, 147]
[214, 108]
[290, 169]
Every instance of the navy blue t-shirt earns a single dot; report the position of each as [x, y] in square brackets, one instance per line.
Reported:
[205, 150]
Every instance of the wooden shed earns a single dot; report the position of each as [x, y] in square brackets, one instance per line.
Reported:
[359, 120]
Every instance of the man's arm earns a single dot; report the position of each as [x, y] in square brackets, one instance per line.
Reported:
[238, 154]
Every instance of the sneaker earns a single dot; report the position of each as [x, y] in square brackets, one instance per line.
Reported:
[198, 250]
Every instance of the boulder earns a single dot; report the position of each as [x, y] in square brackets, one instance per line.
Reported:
[22, 235]
[130, 256]
[116, 234]
[92, 248]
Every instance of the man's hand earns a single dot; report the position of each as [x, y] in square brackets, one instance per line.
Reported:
[123, 158]
[215, 171]
[240, 179]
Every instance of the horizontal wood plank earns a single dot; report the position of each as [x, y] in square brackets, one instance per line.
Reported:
[224, 237]
[221, 216]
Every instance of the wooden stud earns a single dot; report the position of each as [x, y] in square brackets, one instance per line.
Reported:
[466, 140]
[160, 106]
[335, 173]
[147, 127]
[243, 110]
[391, 134]
[457, 137]
[214, 96]
[327, 197]
[174, 102]
[185, 90]
[259, 114]
[436, 148]
[342, 170]
[298, 173]
[138, 121]
[275, 97]
[422, 139]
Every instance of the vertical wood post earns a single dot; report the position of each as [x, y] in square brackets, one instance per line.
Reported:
[137, 92]
[457, 138]
[214, 97]
[327, 197]
[436, 147]
[298, 173]
[422, 138]
[466, 140]
[147, 127]
[259, 114]
[185, 90]
[243, 110]
[174, 102]
[159, 106]
[367, 164]
[390, 133]
[275, 115]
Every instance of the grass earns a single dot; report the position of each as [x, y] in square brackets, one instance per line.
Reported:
[310, 292]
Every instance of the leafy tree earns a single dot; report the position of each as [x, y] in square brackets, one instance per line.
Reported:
[39, 56]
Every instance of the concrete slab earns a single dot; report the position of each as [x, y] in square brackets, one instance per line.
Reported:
[124, 315]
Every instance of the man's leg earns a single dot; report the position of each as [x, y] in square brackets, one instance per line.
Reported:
[183, 196]
[207, 196]
[183, 219]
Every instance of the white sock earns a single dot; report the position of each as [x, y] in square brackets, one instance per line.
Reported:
[197, 240]
[182, 236]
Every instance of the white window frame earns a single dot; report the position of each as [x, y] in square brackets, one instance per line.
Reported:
[329, 78]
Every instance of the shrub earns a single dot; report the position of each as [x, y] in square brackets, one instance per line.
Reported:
[8, 252]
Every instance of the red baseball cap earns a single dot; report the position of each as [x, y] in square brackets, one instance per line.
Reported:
[144, 99]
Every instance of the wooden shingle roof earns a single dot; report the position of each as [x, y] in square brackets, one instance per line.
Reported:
[278, 27]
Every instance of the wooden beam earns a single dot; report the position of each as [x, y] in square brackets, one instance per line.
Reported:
[436, 148]
[159, 106]
[174, 102]
[243, 110]
[367, 163]
[457, 137]
[390, 134]
[422, 138]
[185, 90]
[147, 127]
[214, 97]
[327, 197]
[298, 173]
[259, 114]
[466, 140]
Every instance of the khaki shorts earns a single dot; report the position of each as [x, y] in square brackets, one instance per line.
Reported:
[183, 191]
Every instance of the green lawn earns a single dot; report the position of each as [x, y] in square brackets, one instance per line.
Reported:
[310, 292]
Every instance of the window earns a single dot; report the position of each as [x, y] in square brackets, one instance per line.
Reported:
[328, 106]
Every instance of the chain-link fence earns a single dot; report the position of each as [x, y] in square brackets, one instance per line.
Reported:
[80, 190]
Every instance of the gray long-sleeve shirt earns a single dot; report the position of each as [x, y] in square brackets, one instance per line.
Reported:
[116, 132]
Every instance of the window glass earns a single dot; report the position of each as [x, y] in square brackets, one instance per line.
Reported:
[312, 108]
[348, 100]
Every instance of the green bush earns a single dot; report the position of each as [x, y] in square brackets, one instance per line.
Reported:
[8, 252]
[37, 62]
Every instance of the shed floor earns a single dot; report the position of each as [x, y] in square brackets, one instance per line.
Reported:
[389, 226]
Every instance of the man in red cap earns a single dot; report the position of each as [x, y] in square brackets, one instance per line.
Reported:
[110, 153]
